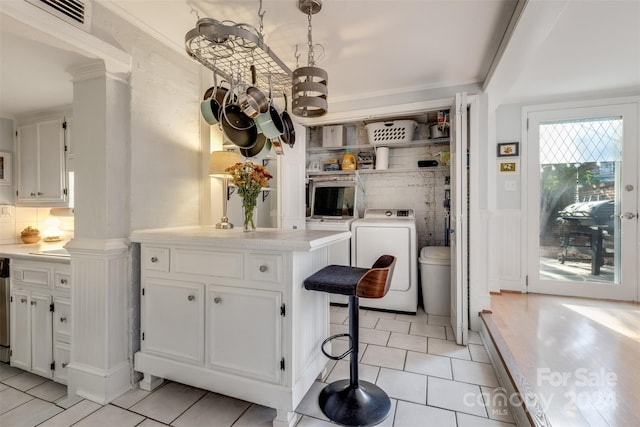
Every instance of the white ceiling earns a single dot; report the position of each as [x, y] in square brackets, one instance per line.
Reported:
[372, 47]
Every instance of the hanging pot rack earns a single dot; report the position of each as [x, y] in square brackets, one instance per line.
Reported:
[229, 49]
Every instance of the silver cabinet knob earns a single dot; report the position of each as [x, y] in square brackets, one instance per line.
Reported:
[39, 193]
[628, 215]
[217, 300]
[63, 319]
[34, 302]
[33, 194]
[263, 268]
[64, 365]
[154, 259]
[63, 281]
[23, 300]
[191, 297]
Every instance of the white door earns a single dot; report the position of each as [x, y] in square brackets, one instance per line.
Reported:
[20, 330]
[41, 335]
[27, 162]
[582, 193]
[458, 238]
[51, 177]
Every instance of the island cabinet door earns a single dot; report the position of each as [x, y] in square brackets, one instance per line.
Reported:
[172, 322]
[244, 332]
[20, 330]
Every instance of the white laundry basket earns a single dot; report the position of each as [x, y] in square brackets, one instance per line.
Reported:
[435, 275]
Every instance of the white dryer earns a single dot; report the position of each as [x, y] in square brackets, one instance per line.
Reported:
[391, 232]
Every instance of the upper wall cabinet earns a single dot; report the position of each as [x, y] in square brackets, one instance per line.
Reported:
[41, 171]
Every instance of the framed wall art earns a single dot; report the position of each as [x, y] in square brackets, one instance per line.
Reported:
[5, 168]
[508, 149]
[509, 167]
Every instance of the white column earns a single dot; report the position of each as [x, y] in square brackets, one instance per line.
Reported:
[100, 368]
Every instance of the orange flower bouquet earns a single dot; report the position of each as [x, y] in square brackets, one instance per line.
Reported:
[249, 179]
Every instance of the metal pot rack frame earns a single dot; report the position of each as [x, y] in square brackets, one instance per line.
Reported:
[229, 49]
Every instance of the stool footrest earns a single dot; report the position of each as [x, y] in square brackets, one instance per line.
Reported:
[343, 355]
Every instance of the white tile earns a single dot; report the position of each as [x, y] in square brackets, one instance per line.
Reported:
[365, 321]
[7, 371]
[425, 330]
[474, 372]
[419, 317]
[338, 317]
[313, 422]
[439, 320]
[68, 401]
[384, 356]
[110, 415]
[335, 329]
[72, 415]
[131, 397]
[378, 314]
[214, 410]
[30, 413]
[256, 416]
[412, 415]
[403, 385]
[497, 403]
[150, 423]
[466, 420]
[408, 342]
[450, 335]
[340, 345]
[2, 386]
[169, 402]
[309, 404]
[429, 364]
[393, 325]
[49, 391]
[24, 381]
[474, 338]
[342, 371]
[456, 396]
[478, 353]
[11, 398]
[447, 348]
[373, 336]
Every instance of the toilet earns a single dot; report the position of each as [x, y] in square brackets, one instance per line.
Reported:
[435, 275]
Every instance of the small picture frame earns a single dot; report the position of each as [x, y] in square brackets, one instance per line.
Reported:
[508, 149]
[509, 167]
[5, 168]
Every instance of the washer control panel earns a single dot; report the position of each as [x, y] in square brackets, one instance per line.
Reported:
[390, 213]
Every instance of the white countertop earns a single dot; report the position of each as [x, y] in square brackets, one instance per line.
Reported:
[262, 238]
[30, 251]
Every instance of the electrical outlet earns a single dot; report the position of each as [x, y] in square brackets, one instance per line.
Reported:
[510, 185]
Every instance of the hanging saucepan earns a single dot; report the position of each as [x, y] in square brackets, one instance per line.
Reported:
[253, 101]
[240, 129]
[270, 122]
[288, 133]
[260, 150]
[213, 100]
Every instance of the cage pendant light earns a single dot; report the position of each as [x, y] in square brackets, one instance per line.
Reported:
[309, 84]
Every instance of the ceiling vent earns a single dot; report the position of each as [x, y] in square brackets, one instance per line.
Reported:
[75, 12]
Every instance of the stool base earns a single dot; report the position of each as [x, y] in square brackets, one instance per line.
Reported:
[364, 405]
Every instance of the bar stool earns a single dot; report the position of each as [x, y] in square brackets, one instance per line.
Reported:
[353, 402]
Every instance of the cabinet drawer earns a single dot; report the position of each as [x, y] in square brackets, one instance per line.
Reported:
[33, 276]
[62, 319]
[61, 356]
[61, 280]
[156, 259]
[264, 268]
[208, 263]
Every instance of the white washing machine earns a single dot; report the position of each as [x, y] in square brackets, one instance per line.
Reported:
[391, 232]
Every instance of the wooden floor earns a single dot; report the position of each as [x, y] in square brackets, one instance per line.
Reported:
[580, 356]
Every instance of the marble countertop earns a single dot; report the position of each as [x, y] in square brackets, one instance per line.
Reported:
[32, 251]
[262, 238]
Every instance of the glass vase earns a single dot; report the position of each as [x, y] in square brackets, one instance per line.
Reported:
[248, 210]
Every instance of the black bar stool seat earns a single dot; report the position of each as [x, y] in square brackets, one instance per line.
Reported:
[353, 402]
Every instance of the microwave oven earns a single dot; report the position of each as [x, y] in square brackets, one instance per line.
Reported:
[334, 199]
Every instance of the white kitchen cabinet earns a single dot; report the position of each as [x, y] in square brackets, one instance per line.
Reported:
[173, 319]
[31, 332]
[41, 163]
[260, 333]
[244, 331]
[40, 318]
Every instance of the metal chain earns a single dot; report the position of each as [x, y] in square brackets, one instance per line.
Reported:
[311, 58]
[261, 14]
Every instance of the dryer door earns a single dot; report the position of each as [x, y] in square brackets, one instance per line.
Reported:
[372, 242]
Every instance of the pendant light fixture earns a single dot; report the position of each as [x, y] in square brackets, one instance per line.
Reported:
[309, 84]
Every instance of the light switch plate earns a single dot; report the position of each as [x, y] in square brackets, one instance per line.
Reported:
[510, 185]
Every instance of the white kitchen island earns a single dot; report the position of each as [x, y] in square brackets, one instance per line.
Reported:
[226, 311]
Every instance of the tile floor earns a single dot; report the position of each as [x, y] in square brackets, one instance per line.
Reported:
[431, 381]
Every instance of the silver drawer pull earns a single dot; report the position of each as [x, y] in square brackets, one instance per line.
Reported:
[191, 297]
[64, 365]
[63, 281]
[263, 268]
[154, 259]
[23, 300]
[217, 300]
[63, 319]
